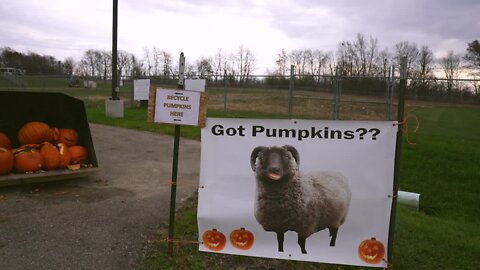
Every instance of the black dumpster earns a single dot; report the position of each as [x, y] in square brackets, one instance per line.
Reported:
[55, 109]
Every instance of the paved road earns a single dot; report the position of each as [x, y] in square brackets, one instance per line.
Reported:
[101, 221]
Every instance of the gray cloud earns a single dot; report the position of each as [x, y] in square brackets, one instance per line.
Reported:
[423, 22]
[66, 27]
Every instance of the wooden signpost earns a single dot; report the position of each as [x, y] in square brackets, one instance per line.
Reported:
[182, 106]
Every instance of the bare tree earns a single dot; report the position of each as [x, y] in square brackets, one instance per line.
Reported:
[89, 62]
[320, 60]
[450, 65]
[249, 64]
[358, 57]
[360, 53]
[296, 59]
[204, 67]
[68, 66]
[244, 60]
[156, 60]
[332, 63]
[473, 54]
[425, 64]
[282, 63]
[306, 57]
[409, 50]
[189, 69]
[371, 55]
[147, 61]
[167, 63]
[473, 59]
[382, 62]
[219, 61]
[107, 67]
[309, 57]
[136, 66]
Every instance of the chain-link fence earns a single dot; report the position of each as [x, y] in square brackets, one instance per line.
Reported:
[294, 96]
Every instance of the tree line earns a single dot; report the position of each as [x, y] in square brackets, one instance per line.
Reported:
[359, 57]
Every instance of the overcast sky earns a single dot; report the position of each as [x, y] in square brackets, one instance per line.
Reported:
[67, 28]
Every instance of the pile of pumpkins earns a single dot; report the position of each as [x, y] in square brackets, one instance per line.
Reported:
[42, 148]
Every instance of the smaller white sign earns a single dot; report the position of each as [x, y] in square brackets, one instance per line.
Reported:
[89, 84]
[178, 107]
[140, 89]
[195, 85]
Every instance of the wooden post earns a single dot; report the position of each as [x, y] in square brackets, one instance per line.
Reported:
[398, 151]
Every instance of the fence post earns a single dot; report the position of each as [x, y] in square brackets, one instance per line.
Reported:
[290, 91]
[391, 91]
[386, 77]
[336, 94]
[398, 150]
[132, 94]
[225, 91]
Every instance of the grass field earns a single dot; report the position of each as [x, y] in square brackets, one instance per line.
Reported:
[443, 166]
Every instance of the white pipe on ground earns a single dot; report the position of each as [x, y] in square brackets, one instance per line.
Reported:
[409, 199]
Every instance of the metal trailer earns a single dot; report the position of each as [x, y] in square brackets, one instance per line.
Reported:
[55, 109]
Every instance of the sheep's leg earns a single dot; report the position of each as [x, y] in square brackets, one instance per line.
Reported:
[301, 243]
[333, 234]
[280, 237]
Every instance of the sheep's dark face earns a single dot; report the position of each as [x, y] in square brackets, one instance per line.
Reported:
[274, 163]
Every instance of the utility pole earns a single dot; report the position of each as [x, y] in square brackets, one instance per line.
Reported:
[115, 89]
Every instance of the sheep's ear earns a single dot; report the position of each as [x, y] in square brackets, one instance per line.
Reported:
[253, 156]
[294, 152]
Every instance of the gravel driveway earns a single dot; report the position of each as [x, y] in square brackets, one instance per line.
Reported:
[100, 221]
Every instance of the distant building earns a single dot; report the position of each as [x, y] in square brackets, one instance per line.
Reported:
[11, 71]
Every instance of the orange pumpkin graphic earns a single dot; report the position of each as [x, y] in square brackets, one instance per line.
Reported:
[242, 239]
[214, 240]
[371, 251]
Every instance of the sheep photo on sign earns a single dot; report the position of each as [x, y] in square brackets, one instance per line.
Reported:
[297, 189]
[290, 200]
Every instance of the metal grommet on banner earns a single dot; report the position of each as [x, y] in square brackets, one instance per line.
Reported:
[392, 196]
[389, 265]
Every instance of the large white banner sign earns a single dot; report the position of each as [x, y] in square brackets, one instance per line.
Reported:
[297, 189]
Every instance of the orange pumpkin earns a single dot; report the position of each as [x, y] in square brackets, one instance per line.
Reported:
[64, 155]
[371, 251]
[55, 133]
[51, 156]
[35, 132]
[28, 161]
[78, 154]
[242, 239]
[67, 136]
[214, 240]
[5, 141]
[6, 161]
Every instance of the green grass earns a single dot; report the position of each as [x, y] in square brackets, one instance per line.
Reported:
[443, 165]
[136, 118]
